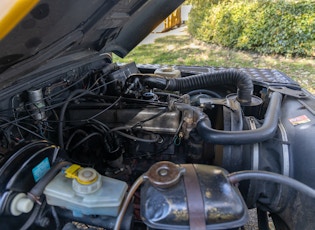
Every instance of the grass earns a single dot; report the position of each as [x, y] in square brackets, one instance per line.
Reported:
[184, 50]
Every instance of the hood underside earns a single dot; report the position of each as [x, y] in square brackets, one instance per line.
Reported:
[58, 27]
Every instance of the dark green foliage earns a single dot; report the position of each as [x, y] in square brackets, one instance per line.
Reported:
[271, 27]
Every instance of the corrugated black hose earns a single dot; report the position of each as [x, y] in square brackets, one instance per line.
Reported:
[239, 79]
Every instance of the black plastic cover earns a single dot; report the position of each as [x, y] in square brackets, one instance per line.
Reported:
[167, 208]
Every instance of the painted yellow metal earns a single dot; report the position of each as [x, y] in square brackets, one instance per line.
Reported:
[12, 12]
[173, 20]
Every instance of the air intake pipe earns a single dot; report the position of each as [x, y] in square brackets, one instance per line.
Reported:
[221, 137]
[240, 79]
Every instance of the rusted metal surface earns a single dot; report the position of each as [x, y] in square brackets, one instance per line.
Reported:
[164, 174]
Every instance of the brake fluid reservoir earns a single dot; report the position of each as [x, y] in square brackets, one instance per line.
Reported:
[86, 192]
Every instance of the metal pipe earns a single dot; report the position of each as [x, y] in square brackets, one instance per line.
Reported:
[124, 207]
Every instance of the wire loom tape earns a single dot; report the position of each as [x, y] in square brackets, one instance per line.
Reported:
[196, 209]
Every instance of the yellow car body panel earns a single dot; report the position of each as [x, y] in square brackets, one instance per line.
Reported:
[12, 12]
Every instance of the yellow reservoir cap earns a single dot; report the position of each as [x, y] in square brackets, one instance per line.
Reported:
[84, 176]
[12, 12]
[72, 171]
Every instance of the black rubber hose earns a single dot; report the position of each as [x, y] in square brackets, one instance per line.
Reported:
[109, 68]
[38, 189]
[152, 81]
[273, 177]
[63, 111]
[265, 132]
[240, 79]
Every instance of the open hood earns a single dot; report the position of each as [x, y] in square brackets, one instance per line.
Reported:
[58, 27]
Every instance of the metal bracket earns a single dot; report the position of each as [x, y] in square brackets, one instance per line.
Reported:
[209, 102]
[297, 93]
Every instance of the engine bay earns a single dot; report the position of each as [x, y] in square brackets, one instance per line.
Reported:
[72, 145]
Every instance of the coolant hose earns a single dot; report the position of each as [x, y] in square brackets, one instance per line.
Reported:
[237, 78]
[38, 189]
[236, 177]
[221, 137]
[240, 79]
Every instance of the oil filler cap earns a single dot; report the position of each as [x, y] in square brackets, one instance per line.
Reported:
[164, 174]
[85, 180]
